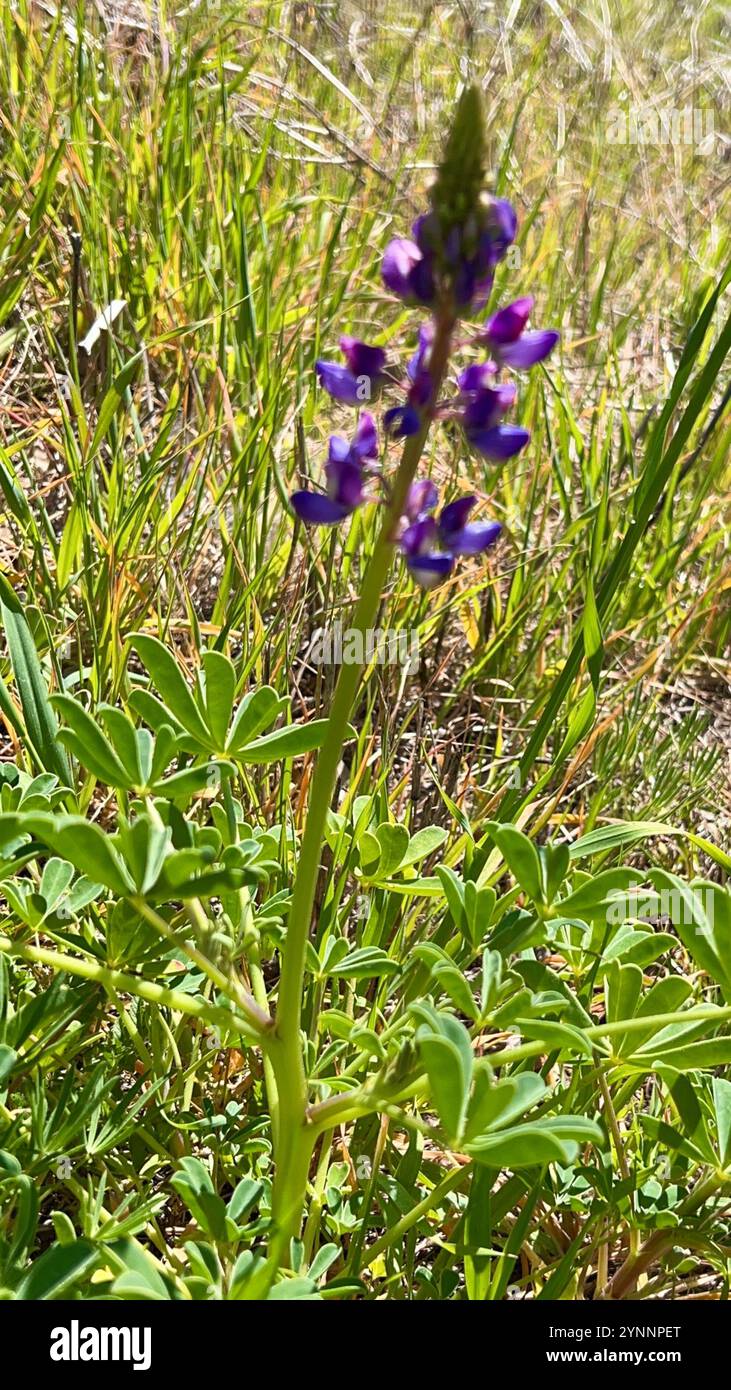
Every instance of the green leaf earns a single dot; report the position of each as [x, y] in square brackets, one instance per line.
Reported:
[364, 964]
[85, 846]
[722, 1107]
[525, 1146]
[84, 739]
[258, 710]
[495, 1104]
[594, 898]
[447, 1056]
[291, 742]
[220, 689]
[558, 1037]
[694, 1056]
[422, 844]
[453, 982]
[126, 741]
[521, 857]
[393, 841]
[552, 1139]
[40, 721]
[57, 1270]
[8, 1058]
[593, 645]
[171, 685]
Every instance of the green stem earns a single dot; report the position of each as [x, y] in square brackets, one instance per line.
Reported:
[287, 1056]
[660, 1241]
[116, 981]
[422, 1208]
[258, 1019]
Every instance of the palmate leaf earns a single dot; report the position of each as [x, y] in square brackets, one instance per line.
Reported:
[85, 846]
[202, 717]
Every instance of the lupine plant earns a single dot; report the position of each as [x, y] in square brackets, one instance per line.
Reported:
[501, 1037]
[448, 271]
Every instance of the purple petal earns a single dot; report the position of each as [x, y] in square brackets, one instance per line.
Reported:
[476, 377]
[502, 224]
[365, 439]
[487, 406]
[504, 218]
[472, 539]
[499, 443]
[430, 569]
[508, 323]
[529, 349]
[422, 497]
[422, 285]
[362, 359]
[317, 510]
[401, 421]
[420, 536]
[426, 338]
[338, 449]
[344, 483]
[340, 383]
[399, 259]
[453, 517]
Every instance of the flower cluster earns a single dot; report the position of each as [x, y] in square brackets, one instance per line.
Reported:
[447, 267]
[431, 544]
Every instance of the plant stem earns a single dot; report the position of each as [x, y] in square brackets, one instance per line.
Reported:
[636, 1263]
[422, 1208]
[116, 981]
[286, 1054]
[259, 1020]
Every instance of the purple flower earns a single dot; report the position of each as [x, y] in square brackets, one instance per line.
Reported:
[421, 499]
[345, 475]
[425, 563]
[480, 420]
[420, 360]
[508, 341]
[476, 377]
[403, 420]
[408, 272]
[461, 537]
[361, 377]
[431, 545]
[501, 224]
[500, 442]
